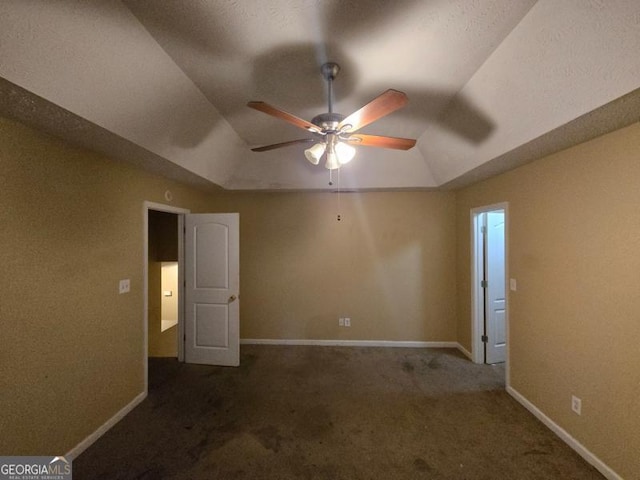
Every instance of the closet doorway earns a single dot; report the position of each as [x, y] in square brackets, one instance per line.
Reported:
[489, 292]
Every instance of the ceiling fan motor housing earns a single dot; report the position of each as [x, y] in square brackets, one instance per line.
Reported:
[328, 121]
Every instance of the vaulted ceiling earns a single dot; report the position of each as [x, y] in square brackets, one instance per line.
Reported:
[165, 84]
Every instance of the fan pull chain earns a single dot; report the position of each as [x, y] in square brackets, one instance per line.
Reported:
[339, 198]
[339, 214]
[330, 94]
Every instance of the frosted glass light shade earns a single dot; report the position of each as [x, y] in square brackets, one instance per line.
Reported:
[314, 153]
[332, 160]
[344, 152]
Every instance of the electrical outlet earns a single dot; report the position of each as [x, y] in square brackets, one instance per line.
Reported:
[576, 404]
[347, 322]
[341, 322]
[124, 286]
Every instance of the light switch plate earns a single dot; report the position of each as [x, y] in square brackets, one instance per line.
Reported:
[512, 284]
[124, 286]
[576, 405]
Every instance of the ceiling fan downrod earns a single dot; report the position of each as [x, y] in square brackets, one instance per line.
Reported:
[330, 72]
[329, 121]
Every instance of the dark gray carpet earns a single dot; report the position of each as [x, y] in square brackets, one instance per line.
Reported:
[331, 413]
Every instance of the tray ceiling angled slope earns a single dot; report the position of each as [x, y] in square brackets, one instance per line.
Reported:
[485, 82]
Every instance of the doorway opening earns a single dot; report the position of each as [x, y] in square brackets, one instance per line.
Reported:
[489, 284]
[163, 288]
[205, 250]
[162, 276]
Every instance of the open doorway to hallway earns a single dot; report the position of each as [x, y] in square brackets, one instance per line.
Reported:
[489, 299]
[162, 277]
[163, 242]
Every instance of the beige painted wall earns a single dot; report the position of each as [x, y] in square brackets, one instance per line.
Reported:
[574, 249]
[388, 265]
[71, 346]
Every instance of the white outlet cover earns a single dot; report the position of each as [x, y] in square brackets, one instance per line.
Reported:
[341, 322]
[347, 322]
[124, 286]
[512, 284]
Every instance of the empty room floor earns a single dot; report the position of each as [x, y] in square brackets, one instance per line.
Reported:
[299, 412]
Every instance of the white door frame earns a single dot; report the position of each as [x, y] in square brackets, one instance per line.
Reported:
[145, 290]
[477, 294]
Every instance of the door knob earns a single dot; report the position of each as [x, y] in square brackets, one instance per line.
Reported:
[232, 298]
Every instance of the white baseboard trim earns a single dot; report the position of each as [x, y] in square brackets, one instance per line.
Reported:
[348, 343]
[603, 468]
[91, 439]
[464, 351]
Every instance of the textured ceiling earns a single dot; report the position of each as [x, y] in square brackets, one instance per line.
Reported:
[484, 79]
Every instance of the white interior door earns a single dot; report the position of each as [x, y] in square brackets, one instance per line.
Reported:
[495, 292]
[212, 307]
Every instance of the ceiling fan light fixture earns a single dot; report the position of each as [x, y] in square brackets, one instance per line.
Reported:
[315, 152]
[337, 133]
[344, 152]
[332, 160]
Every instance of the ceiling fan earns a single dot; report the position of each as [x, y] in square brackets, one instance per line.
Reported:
[335, 134]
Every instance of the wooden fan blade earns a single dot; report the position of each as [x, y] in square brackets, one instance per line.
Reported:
[382, 142]
[283, 144]
[287, 117]
[382, 105]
